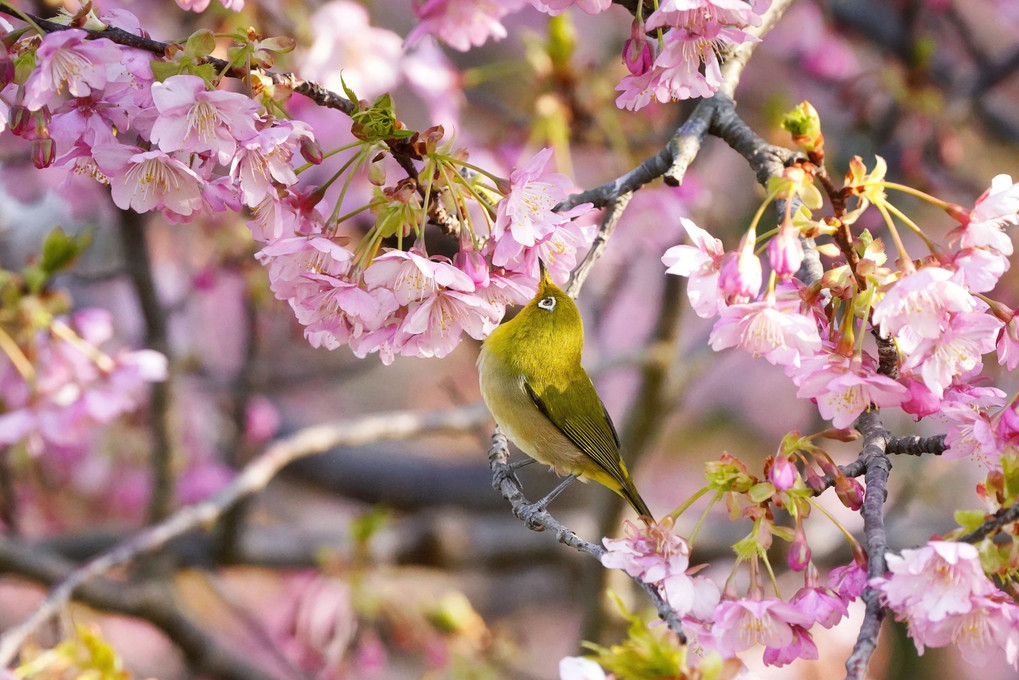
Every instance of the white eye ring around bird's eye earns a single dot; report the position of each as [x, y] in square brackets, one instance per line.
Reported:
[547, 303]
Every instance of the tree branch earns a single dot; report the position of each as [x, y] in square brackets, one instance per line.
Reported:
[877, 467]
[998, 520]
[538, 519]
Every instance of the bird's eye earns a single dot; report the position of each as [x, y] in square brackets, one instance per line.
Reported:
[547, 303]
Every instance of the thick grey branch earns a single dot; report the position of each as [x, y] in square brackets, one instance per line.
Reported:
[877, 467]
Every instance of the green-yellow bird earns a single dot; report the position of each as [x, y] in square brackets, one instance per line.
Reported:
[543, 399]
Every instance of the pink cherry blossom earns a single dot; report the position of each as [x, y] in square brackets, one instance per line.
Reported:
[413, 277]
[68, 58]
[971, 434]
[434, 326]
[266, 158]
[801, 647]
[931, 582]
[193, 119]
[844, 387]
[526, 211]
[149, 180]
[988, 628]
[996, 208]
[979, 269]
[1007, 344]
[289, 259]
[77, 385]
[741, 624]
[781, 335]
[701, 263]
[462, 24]
[941, 591]
[637, 91]
[848, 581]
[958, 350]
[699, 13]
[919, 303]
[785, 251]
[579, 668]
[659, 557]
[741, 274]
[823, 605]
[555, 7]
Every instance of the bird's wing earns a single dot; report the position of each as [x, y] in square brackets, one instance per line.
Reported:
[580, 423]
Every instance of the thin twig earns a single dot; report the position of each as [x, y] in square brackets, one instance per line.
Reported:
[320, 95]
[999, 519]
[538, 519]
[254, 477]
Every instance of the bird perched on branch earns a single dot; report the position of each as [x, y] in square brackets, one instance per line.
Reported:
[543, 399]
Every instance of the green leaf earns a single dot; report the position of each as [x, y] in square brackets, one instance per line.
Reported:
[761, 492]
[200, 44]
[59, 250]
[969, 519]
[644, 654]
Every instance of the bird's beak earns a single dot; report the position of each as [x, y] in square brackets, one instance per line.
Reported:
[544, 278]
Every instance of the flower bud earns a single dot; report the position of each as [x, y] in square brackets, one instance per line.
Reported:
[804, 124]
[472, 263]
[741, 275]
[850, 492]
[783, 473]
[785, 251]
[799, 552]
[20, 120]
[637, 54]
[311, 150]
[44, 152]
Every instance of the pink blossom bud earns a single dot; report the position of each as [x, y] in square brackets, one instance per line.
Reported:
[1008, 423]
[20, 120]
[785, 251]
[637, 53]
[6, 66]
[741, 274]
[799, 551]
[850, 492]
[44, 152]
[473, 263]
[311, 150]
[783, 473]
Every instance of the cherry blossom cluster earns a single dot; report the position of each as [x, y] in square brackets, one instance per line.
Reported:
[726, 624]
[675, 54]
[404, 301]
[943, 594]
[57, 384]
[936, 310]
[165, 138]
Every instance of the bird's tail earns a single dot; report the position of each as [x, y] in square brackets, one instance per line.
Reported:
[628, 491]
